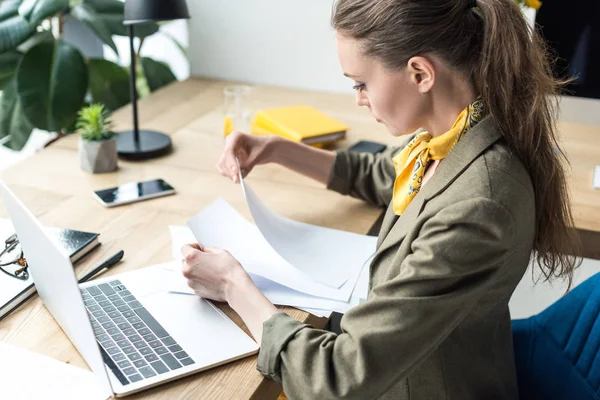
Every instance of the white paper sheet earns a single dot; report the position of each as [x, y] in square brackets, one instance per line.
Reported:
[180, 235]
[220, 225]
[329, 256]
[277, 294]
[26, 375]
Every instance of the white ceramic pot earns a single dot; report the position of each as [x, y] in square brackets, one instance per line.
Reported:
[98, 156]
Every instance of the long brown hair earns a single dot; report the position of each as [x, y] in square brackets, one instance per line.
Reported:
[490, 41]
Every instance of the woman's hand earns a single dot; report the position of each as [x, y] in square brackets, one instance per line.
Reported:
[211, 272]
[216, 275]
[250, 150]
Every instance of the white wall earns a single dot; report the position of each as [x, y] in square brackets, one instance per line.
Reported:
[275, 42]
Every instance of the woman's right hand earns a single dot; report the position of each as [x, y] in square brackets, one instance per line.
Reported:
[250, 150]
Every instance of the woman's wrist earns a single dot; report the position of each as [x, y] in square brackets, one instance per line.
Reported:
[275, 147]
[244, 298]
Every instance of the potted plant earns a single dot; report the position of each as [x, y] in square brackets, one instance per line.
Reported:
[97, 142]
[45, 81]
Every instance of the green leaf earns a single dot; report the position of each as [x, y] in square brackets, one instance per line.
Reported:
[35, 11]
[157, 73]
[111, 12]
[8, 66]
[12, 120]
[52, 81]
[88, 16]
[14, 30]
[35, 39]
[9, 8]
[109, 83]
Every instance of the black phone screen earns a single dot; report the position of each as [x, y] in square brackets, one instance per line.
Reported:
[132, 191]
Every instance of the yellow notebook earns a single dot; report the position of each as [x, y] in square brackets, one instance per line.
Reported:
[299, 124]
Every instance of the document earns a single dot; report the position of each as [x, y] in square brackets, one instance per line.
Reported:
[329, 256]
[26, 375]
[220, 225]
[275, 292]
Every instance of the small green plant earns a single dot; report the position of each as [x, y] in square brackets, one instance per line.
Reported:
[94, 124]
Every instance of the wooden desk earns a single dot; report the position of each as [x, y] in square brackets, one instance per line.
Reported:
[59, 193]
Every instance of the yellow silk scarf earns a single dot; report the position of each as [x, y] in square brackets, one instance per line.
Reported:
[412, 161]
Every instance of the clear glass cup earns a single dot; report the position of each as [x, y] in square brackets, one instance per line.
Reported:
[237, 108]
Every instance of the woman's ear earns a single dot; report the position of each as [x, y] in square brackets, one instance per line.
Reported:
[422, 73]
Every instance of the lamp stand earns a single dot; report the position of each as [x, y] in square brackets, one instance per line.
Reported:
[136, 144]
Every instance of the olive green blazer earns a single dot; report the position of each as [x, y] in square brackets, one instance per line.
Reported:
[436, 323]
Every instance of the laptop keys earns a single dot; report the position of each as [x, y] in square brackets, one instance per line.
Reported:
[106, 289]
[171, 361]
[94, 291]
[134, 356]
[175, 348]
[159, 367]
[180, 355]
[152, 323]
[134, 344]
[113, 331]
[147, 372]
[146, 351]
[140, 345]
[168, 341]
[187, 361]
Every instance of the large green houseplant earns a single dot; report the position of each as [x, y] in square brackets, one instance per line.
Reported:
[46, 81]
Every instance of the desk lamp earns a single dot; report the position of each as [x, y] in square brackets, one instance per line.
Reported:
[145, 144]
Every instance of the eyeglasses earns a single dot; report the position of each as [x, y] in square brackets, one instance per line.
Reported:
[12, 262]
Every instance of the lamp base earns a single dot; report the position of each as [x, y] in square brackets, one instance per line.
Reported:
[152, 144]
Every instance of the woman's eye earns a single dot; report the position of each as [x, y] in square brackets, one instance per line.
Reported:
[359, 87]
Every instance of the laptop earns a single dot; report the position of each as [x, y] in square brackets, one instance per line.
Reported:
[130, 330]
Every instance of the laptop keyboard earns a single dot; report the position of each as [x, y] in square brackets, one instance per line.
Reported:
[133, 344]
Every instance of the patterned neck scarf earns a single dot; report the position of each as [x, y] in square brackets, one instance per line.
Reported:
[412, 161]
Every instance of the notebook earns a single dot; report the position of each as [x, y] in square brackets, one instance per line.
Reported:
[14, 292]
[300, 123]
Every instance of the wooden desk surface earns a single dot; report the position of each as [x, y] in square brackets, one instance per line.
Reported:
[59, 193]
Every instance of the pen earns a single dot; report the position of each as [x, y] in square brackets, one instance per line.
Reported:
[105, 265]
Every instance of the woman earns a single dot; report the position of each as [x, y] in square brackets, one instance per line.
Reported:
[475, 191]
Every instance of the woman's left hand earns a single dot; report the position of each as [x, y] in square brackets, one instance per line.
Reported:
[210, 271]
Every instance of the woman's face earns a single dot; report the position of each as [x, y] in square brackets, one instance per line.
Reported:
[395, 98]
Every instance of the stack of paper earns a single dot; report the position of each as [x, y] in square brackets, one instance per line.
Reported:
[313, 268]
[30, 376]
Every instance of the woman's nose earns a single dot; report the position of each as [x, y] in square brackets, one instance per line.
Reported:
[361, 100]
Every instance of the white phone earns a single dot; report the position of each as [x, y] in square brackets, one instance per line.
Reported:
[596, 183]
[132, 192]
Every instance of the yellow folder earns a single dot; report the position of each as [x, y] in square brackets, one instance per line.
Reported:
[300, 123]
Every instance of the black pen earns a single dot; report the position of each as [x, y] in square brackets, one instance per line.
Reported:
[105, 265]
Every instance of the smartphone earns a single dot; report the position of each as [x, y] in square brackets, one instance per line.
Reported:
[366, 146]
[133, 192]
[596, 183]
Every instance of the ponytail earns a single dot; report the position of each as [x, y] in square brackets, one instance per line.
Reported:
[515, 80]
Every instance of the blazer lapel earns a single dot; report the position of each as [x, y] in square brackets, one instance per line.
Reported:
[469, 148]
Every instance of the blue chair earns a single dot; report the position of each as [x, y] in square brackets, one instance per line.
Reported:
[557, 352]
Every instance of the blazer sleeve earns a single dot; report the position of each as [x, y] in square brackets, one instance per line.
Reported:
[455, 259]
[364, 175]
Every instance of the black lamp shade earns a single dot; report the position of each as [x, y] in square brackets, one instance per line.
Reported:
[140, 11]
